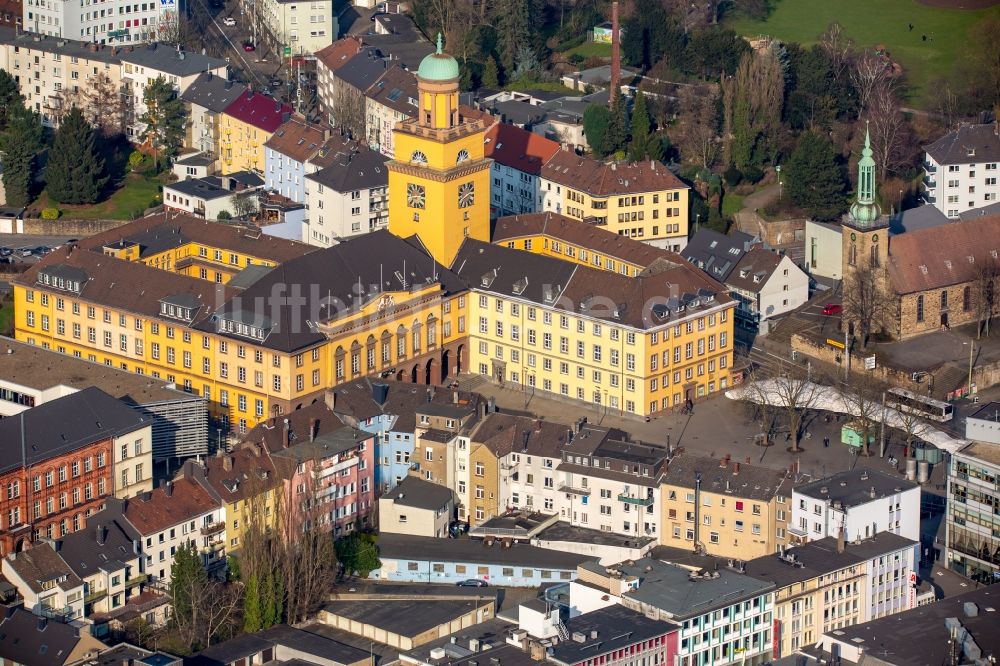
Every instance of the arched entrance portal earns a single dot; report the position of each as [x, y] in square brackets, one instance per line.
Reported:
[432, 372]
[445, 365]
[413, 374]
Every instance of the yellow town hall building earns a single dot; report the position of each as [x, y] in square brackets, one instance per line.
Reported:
[260, 326]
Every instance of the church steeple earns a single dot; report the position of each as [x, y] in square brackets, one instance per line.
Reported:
[865, 212]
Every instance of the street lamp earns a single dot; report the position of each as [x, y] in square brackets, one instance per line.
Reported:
[778, 169]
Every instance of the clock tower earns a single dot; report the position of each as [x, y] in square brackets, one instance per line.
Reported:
[439, 187]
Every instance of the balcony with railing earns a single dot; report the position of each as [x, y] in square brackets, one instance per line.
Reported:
[213, 528]
[636, 500]
[573, 490]
[137, 579]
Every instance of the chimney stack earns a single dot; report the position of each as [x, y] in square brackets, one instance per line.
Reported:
[227, 463]
[840, 540]
[169, 489]
[286, 438]
[616, 60]
[100, 535]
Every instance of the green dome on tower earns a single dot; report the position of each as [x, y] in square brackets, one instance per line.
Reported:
[438, 66]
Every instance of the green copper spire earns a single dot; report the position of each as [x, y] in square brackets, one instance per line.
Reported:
[865, 211]
[440, 49]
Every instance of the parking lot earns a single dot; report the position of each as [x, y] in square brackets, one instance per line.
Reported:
[20, 248]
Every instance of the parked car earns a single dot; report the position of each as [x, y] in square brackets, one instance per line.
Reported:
[472, 582]
[249, 48]
[277, 83]
[832, 309]
[6, 251]
[25, 251]
[42, 250]
[458, 527]
[229, 21]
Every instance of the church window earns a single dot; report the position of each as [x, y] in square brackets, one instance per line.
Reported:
[944, 300]
[852, 254]
[967, 298]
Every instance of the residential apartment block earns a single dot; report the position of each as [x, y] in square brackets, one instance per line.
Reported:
[100, 22]
[641, 200]
[391, 99]
[861, 502]
[829, 584]
[205, 99]
[518, 156]
[349, 197]
[245, 127]
[65, 458]
[725, 508]
[960, 169]
[52, 72]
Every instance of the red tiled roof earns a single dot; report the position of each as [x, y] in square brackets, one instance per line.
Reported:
[944, 255]
[338, 53]
[518, 148]
[600, 179]
[297, 139]
[262, 111]
[187, 501]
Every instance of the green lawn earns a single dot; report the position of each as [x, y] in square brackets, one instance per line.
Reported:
[550, 86]
[731, 204]
[134, 196]
[871, 22]
[588, 49]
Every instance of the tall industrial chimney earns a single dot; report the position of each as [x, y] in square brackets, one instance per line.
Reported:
[616, 56]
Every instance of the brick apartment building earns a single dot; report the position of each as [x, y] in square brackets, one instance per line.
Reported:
[57, 464]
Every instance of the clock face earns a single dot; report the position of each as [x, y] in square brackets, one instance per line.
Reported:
[415, 195]
[466, 195]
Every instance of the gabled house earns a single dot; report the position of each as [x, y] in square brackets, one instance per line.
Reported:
[107, 559]
[210, 196]
[766, 285]
[206, 98]
[245, 126]
[28, 639]
[347, 198]
[287, 156]
[47, 584]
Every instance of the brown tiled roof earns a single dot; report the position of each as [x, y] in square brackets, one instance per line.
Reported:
[338, 53]
[297, 139]
[945, 255]
[354, 400]
[128, 285]
[334, 150]
[395, 89]
[187, 501]
[252, 472]
[583, 235]
[631, 301]
[162, 231]
[42, 563]
[518, 148]
[601, 179]
[757, 261]
[752, 482]
[271, 432]
[510, 433]
[470, 114]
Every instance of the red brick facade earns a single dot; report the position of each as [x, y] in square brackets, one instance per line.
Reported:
[55, 496]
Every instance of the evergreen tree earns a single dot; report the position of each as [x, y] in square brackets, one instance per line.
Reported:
[491, 76]
[617, 136]
[164, 118]
[639, 146]
[186, 575]
[252, 617]
[267, 605]
[595, 127]
[514, 30]
[814, 179]
[20, 145]
[75, 171]
[358, 553]
[10, 97]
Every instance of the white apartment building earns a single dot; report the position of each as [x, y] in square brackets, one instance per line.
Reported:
[141, 66]
[891, 582]
[206, 98]
[766, 285]
[177, 513]
[972, 522]
[960, 169]
[392, 99]
[45, 582]
[50, 71]
[100, 22]
[303, 27]
[862, 502]
[518, 156]
[133, 459]
[348, 198]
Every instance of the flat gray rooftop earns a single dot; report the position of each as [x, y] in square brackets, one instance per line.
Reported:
[406, 617]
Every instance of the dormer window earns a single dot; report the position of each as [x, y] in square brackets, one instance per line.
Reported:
[970, 152]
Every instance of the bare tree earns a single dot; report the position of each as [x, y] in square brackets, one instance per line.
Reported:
[912, 426]
[104, 105]
[788, 389]
[759, 408]
[838, 47]
[889, 131]
[695, 129]
[984, 288]
[864, 399]
[246, 202]
[347, 110]
[219, 603]
[866, 299]
[869, 71]
[64, 101]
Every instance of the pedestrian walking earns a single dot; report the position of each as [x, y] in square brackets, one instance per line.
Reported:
[826, 442]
